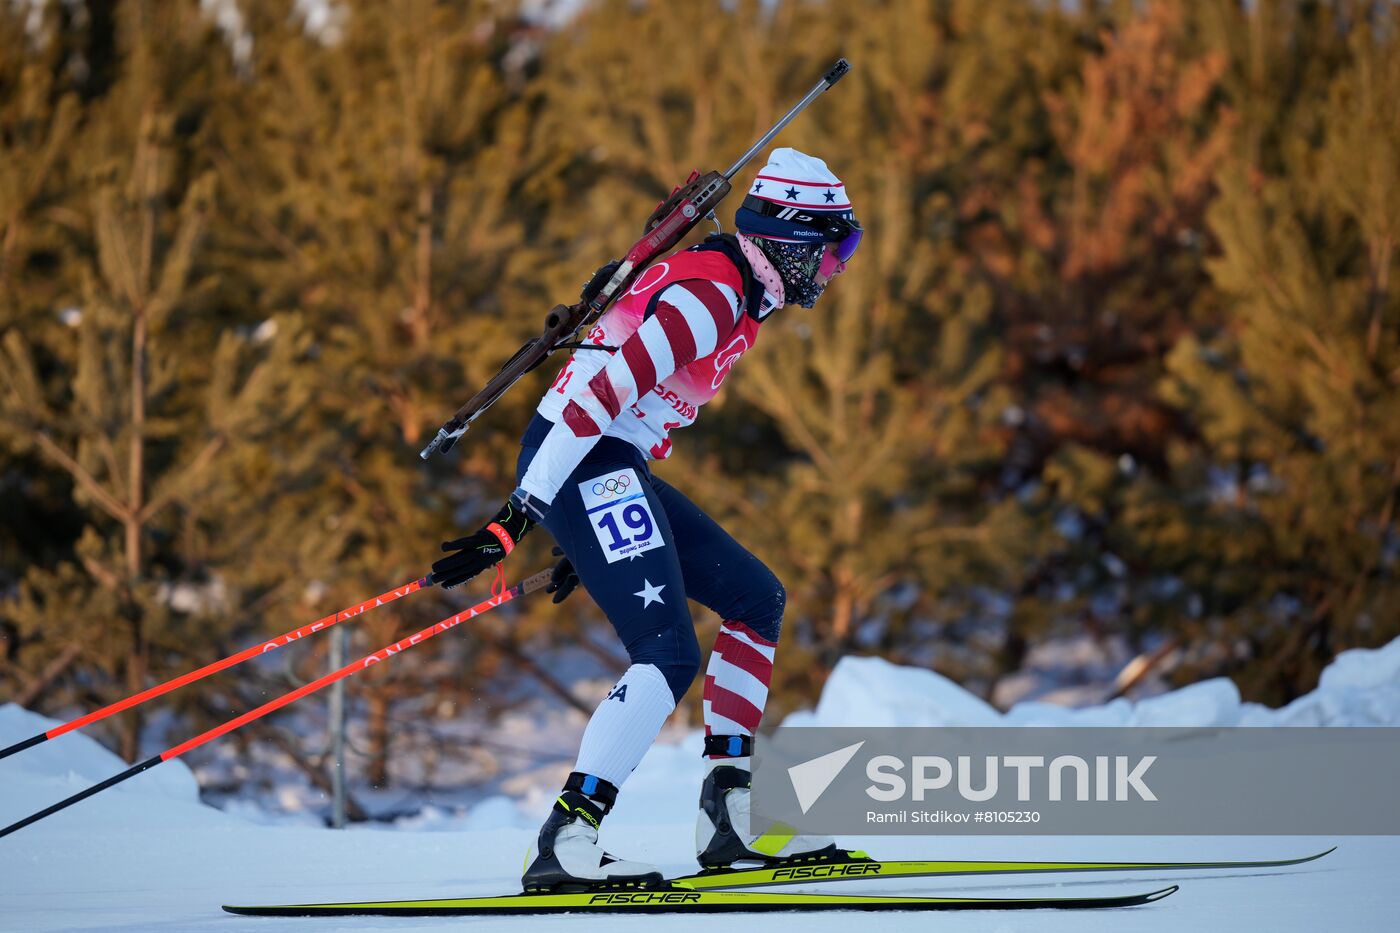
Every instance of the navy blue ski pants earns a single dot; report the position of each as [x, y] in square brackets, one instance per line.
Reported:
[645, 597]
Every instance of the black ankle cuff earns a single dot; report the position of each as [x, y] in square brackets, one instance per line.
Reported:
[574, 806]
[728, 746]
[594, 788]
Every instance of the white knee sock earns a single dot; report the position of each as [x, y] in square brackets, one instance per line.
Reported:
[625, 724]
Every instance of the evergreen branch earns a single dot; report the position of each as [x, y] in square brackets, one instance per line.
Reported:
[230, 168]
[100, 573]
[35, 686]
[196, 466]
[23, 378]
[783, 409]
[179, 258]
[110, 504]
[7, 248]
[113, 252]
[109, 455]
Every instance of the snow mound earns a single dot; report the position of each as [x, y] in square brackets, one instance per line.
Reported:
[1363, 668]
[77, 758]
[1208, 703]
[146, 855]
[1360, 687]
[46, 773]
[874, 692]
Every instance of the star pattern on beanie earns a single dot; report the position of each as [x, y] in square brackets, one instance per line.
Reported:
[787, 215]
[795, 179]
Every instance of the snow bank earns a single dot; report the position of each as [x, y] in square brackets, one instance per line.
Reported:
[874, 692]
[79, 759]
[47, 773]
[1359, 688]
[147, 855]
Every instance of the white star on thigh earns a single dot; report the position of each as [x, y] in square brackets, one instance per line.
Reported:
[651, 594]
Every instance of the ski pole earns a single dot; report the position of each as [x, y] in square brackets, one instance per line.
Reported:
[529, 585]
[249, 652]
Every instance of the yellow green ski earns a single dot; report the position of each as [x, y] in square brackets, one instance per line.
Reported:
[676, 899]
[712, 891]
[843, 865]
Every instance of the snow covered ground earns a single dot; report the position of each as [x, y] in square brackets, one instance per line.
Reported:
[148, 856]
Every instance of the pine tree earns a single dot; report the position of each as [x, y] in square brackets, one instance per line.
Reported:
[1117, 354]
[1296, 400]
[844, 447]
[38, 118]
[390, 189]
[144, 409]
[37, 121]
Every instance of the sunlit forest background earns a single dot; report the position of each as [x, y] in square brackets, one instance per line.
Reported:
[1118, 361]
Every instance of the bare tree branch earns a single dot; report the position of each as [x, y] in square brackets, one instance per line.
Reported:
[110, 504]
[51, 672]
[535, 670]
[315, 771]
[101, 574]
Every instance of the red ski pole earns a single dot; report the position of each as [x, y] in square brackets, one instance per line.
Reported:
[529, 585]
[250, 652]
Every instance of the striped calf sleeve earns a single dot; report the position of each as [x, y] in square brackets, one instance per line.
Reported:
[736, 681]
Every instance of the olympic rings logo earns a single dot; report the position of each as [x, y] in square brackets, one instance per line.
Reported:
[612, 487]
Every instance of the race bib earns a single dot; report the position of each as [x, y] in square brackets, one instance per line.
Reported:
[620, 514]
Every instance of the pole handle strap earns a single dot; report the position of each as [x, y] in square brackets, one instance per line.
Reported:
[502, 536]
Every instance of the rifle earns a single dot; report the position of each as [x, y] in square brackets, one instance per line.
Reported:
[673, 218]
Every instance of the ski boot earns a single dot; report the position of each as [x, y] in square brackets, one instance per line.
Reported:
[723, 836]
[567, 857]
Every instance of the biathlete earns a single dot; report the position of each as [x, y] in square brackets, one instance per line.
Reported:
[639, 546]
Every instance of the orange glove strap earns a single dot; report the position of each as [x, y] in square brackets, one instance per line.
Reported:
[502, 535]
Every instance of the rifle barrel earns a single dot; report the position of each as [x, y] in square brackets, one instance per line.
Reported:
[837, 72]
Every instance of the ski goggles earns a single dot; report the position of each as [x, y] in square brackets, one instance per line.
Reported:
[764, 218]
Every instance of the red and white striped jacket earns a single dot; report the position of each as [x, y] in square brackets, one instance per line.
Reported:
[678, 330]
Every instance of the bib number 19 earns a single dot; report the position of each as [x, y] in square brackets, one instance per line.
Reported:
[636, 518]
[620, 514]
